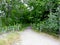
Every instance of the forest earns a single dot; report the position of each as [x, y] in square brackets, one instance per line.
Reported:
[41, 15]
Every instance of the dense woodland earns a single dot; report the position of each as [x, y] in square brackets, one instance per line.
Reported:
[42, 15]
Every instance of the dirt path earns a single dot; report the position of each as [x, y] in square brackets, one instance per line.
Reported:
[29, 37]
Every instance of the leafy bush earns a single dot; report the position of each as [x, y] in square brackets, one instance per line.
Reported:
[43, 14]
[16, 27]
[49, 26]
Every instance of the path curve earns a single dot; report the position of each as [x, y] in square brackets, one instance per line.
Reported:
[29, 37]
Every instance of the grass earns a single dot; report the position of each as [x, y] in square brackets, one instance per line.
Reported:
[13, 35]
[10, 38]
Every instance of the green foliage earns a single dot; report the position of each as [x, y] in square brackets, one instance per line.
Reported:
[12, 28]
[43, 14]
[48, 19]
